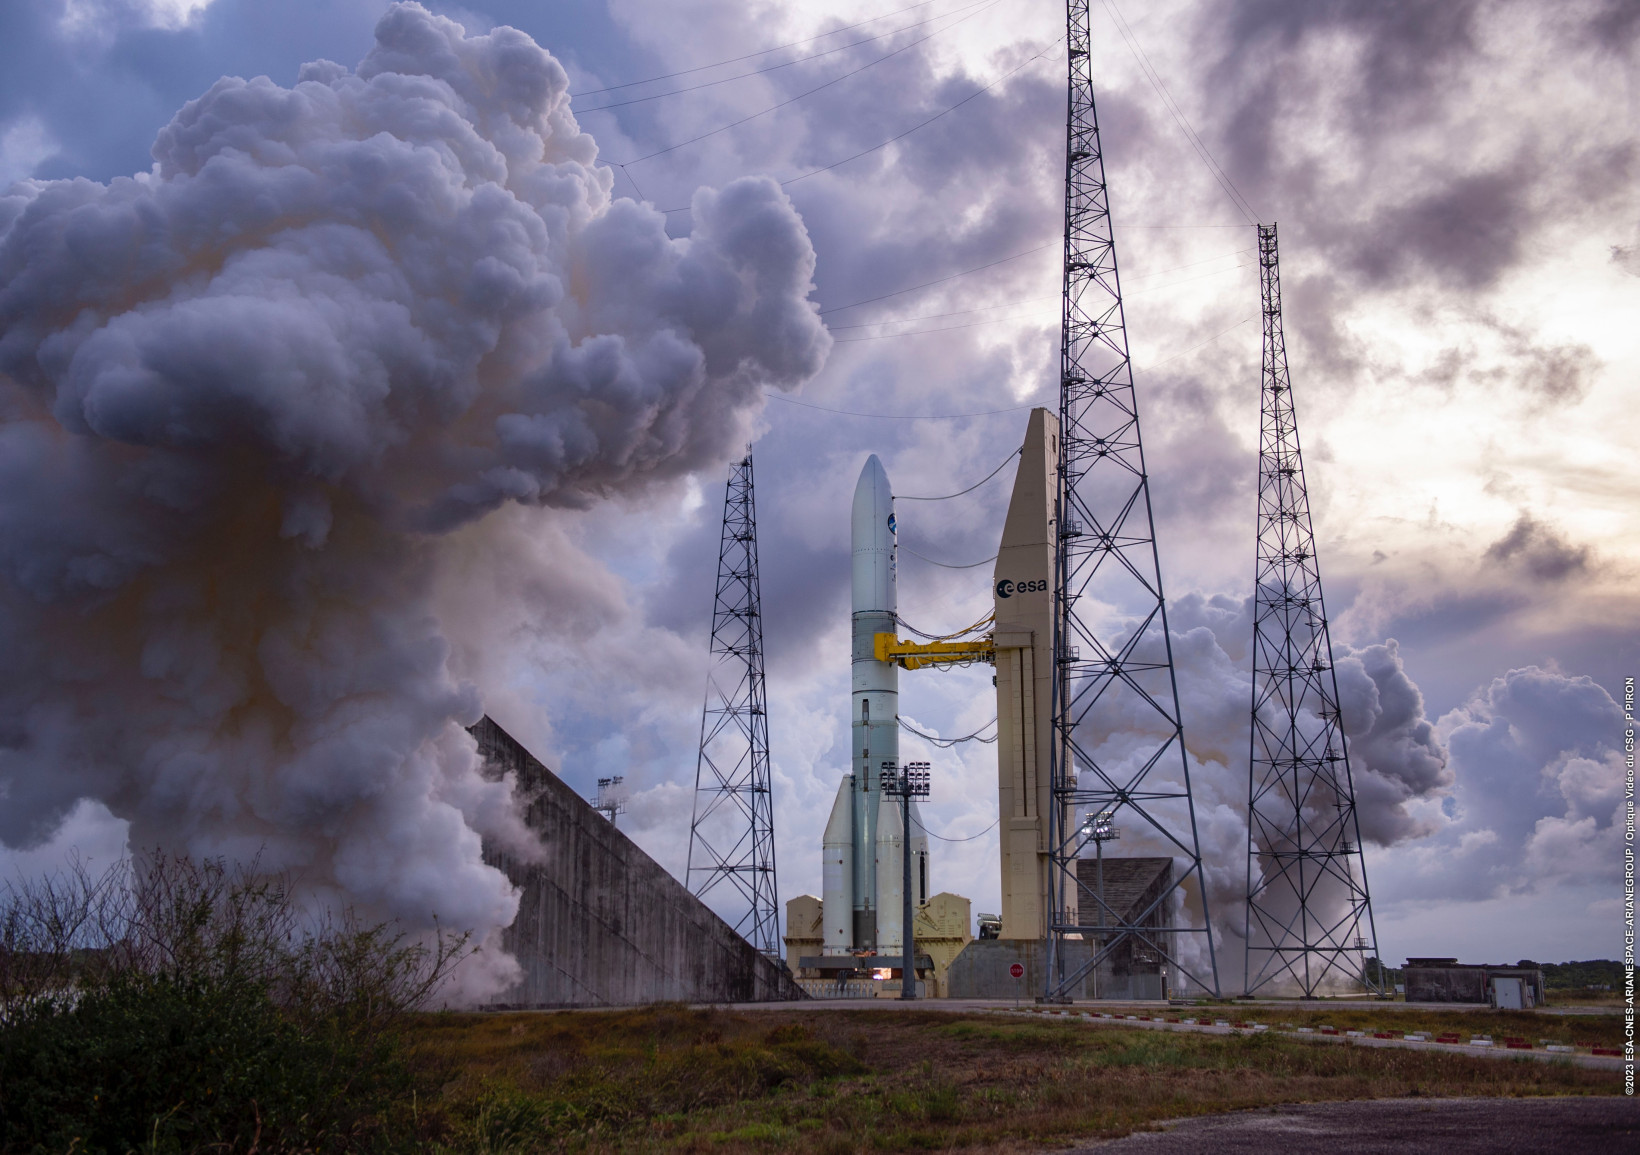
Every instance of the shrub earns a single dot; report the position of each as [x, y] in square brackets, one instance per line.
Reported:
[177, 1006]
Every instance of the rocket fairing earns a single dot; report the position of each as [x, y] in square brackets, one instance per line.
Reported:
[875, 706]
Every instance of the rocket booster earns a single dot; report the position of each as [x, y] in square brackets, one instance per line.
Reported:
[876, 698]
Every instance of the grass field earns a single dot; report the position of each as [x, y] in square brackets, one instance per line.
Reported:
[674, 1079]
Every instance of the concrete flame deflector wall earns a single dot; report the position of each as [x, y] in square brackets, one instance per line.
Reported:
[600, 922]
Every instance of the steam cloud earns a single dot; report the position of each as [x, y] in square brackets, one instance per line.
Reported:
[246, 396]
[1397, 759]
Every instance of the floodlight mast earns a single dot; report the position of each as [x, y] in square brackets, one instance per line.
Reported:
[1112, 653]
[910, 781]
[1309, 913]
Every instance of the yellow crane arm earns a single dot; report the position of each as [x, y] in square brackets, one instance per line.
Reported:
[916, 655]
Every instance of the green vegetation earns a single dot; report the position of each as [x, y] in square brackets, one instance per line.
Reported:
[185, 1007]
[1595, 974]
[834, 1081]
[1385, 976]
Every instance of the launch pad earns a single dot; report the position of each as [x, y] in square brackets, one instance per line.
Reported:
[861, 847]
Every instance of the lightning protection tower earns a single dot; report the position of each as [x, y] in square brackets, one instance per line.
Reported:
[1118, 749]
[1309, 917]
[731, 836]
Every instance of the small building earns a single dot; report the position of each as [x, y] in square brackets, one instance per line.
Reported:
[1446, 980]
[941, 931]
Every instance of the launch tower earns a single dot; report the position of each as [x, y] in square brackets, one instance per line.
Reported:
[1309, 916]
[1117, 747]
[731, 836]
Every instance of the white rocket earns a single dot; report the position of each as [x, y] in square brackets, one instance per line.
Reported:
[861, 874]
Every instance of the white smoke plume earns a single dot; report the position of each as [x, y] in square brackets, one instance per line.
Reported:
[1397, 759]
[247, 395]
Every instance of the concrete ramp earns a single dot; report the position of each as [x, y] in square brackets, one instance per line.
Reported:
[601, 923]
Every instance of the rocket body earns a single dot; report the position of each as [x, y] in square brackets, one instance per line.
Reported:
[875, 703]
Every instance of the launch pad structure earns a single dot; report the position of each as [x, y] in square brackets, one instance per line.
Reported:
[1090, 739]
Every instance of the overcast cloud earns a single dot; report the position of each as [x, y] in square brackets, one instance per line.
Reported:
[1455, 185]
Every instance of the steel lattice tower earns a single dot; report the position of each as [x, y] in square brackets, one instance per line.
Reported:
[731, 836]
[1118, 744]
[1308, 912]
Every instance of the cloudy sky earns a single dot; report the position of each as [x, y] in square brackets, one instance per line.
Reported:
[1455, 185]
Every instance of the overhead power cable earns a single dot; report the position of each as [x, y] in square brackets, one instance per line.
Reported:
[1053, 244]
[971, 488]
[985, 7]
[749, 55]
[941, 329]
[901, 136]
[1022, 317]
[970, 838]
[895, 416]
[1200, 344]
[925, 123]
[1021, 300]
[941, 316]
[1185, 281]
[1179, 118]
[947, 743]
[1192, 264]
[946, 564]
[775, 67]
[1124, 225]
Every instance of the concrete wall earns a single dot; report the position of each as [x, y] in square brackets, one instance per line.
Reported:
[981, 970]
[600, 922]
[1448, 981]
[1448, 984]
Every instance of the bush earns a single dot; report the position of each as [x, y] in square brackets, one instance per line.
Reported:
[180, 1007]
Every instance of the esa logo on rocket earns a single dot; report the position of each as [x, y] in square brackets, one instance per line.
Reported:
[1007, 589]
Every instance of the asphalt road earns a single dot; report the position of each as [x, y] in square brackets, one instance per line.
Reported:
[1565, 1126]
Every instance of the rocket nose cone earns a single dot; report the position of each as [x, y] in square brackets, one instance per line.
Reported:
[873, 499]
[872, 539]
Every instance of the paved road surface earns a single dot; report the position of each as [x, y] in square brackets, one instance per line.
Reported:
[1564, 1126]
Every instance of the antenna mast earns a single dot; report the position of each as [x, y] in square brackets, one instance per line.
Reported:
[1309, 916]
[1118, 749]
[731, 836]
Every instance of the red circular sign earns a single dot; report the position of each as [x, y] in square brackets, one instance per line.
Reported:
[1017, 971]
